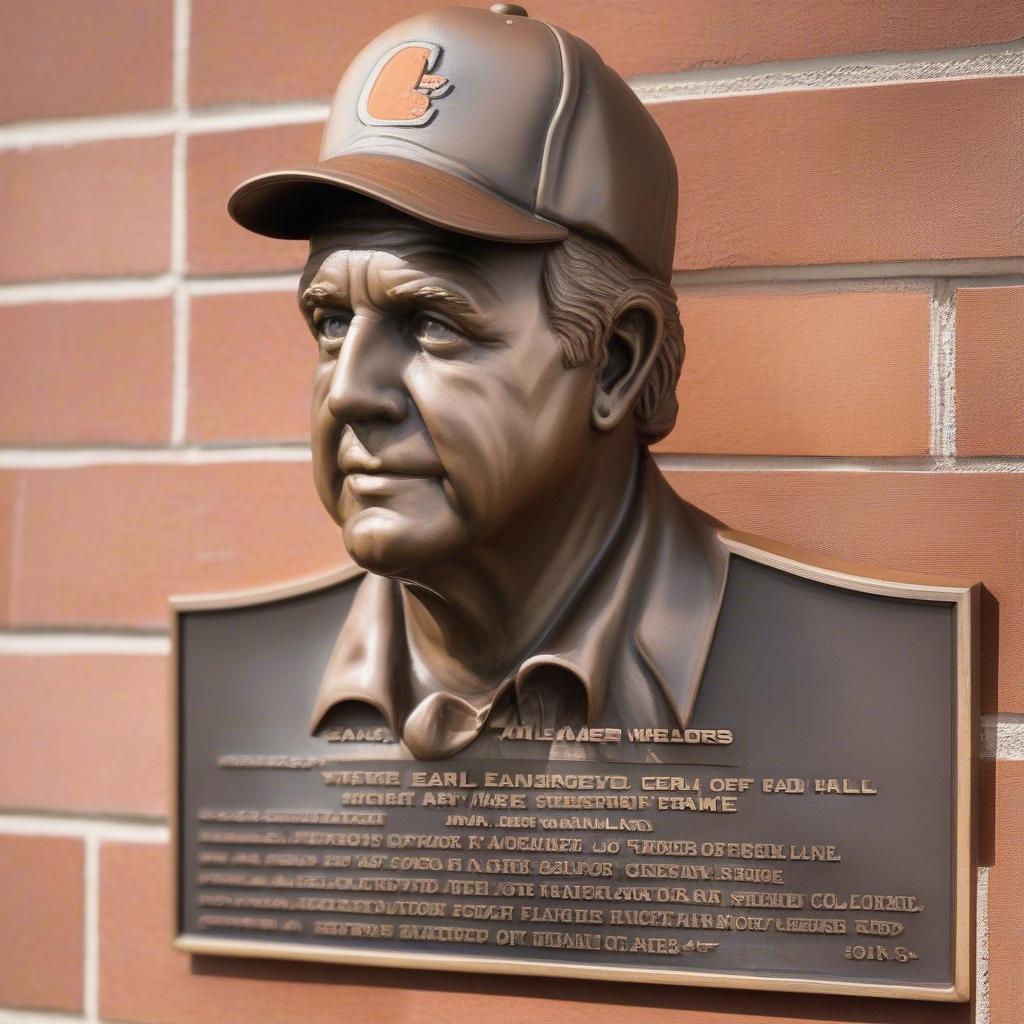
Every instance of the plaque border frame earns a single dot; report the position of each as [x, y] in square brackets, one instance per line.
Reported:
[965, 597]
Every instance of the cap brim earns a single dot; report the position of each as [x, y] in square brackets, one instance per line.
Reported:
[290, 204]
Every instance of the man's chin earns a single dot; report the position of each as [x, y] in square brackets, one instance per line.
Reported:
[387, 543]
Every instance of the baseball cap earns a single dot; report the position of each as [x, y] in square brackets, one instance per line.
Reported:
[487, 123]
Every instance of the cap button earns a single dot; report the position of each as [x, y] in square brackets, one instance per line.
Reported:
[509, 9]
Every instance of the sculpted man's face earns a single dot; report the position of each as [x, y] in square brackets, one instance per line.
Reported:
[442, 413]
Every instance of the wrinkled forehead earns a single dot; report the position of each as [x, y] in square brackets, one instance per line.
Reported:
[377, 229]
[382, 233]
[418, 246]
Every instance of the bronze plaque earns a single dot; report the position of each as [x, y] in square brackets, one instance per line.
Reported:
[807, 830]
[558, 720]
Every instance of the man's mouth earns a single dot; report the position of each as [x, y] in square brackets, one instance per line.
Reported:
[369, 466]
[384, 484]
[398, 461]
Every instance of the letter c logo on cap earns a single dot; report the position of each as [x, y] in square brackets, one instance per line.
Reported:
[399, 91]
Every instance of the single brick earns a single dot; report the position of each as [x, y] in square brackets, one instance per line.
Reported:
[105, 719]
[250, 365]
[86, 373]
[770, 373]
[65, 60]
[90, 210]
[898, 172]
[989, 371]
[41, 922]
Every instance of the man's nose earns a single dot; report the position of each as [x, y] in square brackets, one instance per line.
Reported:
[366, 383]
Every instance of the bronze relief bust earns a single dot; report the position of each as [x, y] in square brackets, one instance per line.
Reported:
[491, 228]
[534, 611]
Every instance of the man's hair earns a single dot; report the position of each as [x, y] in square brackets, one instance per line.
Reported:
[585, 283]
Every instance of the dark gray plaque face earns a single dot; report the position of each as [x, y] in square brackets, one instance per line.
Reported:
[804, 831]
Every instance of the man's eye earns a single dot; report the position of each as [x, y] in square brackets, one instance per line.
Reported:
[331, 330]
[436, 335]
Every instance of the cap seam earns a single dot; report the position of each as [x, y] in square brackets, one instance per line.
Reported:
[556, 117]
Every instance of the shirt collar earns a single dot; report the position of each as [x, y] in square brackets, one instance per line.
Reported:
[651, 600]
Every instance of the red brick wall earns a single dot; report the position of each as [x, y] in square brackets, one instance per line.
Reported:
[851, 276]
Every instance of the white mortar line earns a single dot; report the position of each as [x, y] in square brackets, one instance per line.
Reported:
[116, 289]
[830, 464]
[982, 1011]
[72, 131]
[942, 370]
[78, 458]
[91, 930]
[810, 285]
[179, 223]
[845, 71]
[835, 62]
[68, 827]
[1002, 737]
[9, 1015]
[241, 118]
[111, 289]
[242, 285]
[179, 366]
[992, 281]
[1008, 268]
[66, 643]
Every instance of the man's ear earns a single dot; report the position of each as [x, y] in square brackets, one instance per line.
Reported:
[634, 340]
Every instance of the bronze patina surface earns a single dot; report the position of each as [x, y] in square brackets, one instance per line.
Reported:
[808, 830]
[555, 719]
